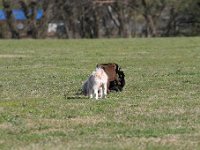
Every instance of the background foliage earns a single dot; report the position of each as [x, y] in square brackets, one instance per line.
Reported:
[106, 18]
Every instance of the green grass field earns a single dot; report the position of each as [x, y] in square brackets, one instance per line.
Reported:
[159, 108]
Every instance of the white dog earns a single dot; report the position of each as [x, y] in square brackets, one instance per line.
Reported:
[96, 84]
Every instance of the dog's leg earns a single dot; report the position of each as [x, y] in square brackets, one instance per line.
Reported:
[108, 85]
[101, 92]
[96, 93]
[105, 90]
[90, 94]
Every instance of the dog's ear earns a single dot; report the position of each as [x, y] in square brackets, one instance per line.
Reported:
[97, 66]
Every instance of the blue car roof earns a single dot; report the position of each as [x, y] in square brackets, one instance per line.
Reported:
[2, 15]
[19, 14]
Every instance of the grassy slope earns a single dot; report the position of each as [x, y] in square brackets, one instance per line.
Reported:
[159, 108]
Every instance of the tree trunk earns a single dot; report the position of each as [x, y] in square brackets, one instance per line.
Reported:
[96, 23]
[31, 17]
[10, 23]
[151, 28]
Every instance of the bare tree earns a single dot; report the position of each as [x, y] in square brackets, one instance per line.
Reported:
[107, 18]
[10, 22]
[30, 10]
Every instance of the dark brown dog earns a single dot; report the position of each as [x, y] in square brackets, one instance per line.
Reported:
[116, 77]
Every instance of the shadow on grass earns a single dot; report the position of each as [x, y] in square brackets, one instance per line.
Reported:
[75, 97]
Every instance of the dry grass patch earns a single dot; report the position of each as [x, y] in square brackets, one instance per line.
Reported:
[13, 56]
[6, 126]
[90, 120]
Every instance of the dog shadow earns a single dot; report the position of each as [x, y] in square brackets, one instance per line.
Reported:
[75, 97]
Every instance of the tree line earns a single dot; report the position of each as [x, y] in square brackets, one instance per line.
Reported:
[104, 18]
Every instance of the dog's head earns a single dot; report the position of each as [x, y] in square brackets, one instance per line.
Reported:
[98, 72]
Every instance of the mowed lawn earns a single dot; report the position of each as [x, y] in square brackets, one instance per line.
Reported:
[158, 109]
